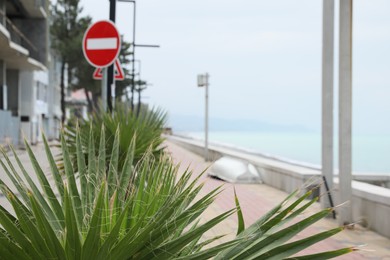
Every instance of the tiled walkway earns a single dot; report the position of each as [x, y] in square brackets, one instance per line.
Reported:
[257, 199]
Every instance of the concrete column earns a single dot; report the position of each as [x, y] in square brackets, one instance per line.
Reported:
[3, 85]
[206, 130]
[327, 100]
[345, 111]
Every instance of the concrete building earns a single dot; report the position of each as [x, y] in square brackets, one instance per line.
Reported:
[29, 89]
[77, 104]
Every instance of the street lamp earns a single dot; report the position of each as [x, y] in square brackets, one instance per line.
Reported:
[203, 81]
[132, 79]
[112, 17]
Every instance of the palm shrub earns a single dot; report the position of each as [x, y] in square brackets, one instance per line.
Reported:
[146, 128]
[142, 212]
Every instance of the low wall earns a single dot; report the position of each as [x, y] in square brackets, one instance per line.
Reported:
[9, 128]
[370, 203]
[370, 206]
[276, 173]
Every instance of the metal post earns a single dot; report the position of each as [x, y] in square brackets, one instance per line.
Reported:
[327, 100]
[206, 146]
[104, 89]
[134, 46]
[110, 72]
[133, 61]
[113, 86]
[345, 111]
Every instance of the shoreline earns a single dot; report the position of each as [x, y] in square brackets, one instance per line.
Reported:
[282, 159]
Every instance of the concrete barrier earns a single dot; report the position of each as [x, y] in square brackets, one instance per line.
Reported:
[370, 203]
[276, 173]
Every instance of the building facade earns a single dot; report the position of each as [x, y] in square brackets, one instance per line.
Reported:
[29, 89]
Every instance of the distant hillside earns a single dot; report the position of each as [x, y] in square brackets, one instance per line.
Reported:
[181, 123]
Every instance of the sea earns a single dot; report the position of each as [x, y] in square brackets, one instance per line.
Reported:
[370, 153]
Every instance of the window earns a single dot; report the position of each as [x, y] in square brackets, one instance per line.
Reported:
[41, 90]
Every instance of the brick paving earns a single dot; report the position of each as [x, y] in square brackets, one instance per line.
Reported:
[257, 199]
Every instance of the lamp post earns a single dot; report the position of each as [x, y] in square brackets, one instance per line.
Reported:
[132, 68]
[135, 45]
[203, 81]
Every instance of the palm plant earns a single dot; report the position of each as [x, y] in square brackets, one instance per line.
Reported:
[146, 128]
[145, 211]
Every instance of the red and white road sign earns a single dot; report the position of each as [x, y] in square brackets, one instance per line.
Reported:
[118, 75]
[101, 44]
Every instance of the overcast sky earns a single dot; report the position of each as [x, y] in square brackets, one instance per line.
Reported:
[264, 58]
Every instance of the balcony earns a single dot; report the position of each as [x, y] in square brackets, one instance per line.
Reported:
[16, 49]
[19, 38]
[32, 8]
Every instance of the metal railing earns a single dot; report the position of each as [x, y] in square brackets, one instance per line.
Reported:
[18, 37]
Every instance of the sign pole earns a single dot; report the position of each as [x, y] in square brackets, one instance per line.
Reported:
[101, 47]
[113, 94]
[104, 89]
[110, 71]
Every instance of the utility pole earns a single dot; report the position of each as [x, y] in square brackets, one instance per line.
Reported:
[110, 70]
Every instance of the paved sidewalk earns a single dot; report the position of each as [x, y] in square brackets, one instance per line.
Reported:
[257, 199]
[39, 153]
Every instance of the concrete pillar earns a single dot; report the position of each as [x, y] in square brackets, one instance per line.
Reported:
[3, 85]
[345, 111]
[327, 100]
[27, 104]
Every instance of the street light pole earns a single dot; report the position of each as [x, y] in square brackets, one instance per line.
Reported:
[139, 91]
[133, 56]
[203, 81]
[133, 61]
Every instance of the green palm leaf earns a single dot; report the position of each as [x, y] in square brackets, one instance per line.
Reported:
[115, 202]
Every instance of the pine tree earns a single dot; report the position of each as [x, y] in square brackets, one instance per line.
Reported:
[67, 30]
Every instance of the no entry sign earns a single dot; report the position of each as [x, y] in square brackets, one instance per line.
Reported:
[101, 44]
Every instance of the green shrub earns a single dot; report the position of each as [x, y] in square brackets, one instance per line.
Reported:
[146, 128]
[142, 212]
